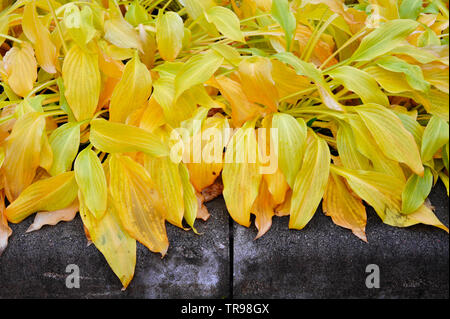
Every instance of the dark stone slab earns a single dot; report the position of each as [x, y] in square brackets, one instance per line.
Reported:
[34, 264]
[327, 261]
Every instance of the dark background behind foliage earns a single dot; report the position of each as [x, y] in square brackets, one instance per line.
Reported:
[321, 261]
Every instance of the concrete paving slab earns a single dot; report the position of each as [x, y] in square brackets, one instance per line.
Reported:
[34, 264]
[327, 261]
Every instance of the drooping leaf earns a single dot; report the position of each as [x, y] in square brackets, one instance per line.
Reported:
[435, 136]
[346, 209]
[391, 136]
[64, 142]
[190, 200]
[91, 181]
[22, 153]
[416, 191]
[310, 183]
[241, 176]
[110, 237]
[49, 194]
[291, 144]
[132, 190]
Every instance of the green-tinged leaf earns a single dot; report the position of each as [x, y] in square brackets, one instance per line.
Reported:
[282, 14]
[132, 191]
[361, 83]
[226, 22]
[64, 142]
[110, 237]
[49, 194]
[190, 199]
[79, 23]
[291, 143]
[169, 35]
[197, 70]
[122, 34]
[91, 180]
[416, 191]
[435, 136]
[413, 73]
[391, 136]
[310, 183]
[410, 9]
[347, 147]
[384, 39]
[241, 175]
[112, 137]
[137, 14]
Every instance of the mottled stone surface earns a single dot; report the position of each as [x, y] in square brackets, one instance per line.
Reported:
[321, 261]
[34, 264]
[327, 261]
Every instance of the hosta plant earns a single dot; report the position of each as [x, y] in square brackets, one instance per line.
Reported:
[134, 113]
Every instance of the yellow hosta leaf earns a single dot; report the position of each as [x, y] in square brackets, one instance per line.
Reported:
[391, 136]
[263, 208]
[361, 83]
[291, 144]
[22, 149]
[347, 146]
[204, 174]
[191, 205]
[131, 189]
[390, 81]
[381, 191]
[277, 185]
[166, 179]
[39, 35]
[241, 176]
[196, 10]
[435, 136]
[169, 35]
[435, 102]
[197, 70]
[49, 194]
[81, 77]
[5, 231]
[110, 237]
[242, 110]
[46, 156]
[226, 22]
[152, 116]
[132, 91]
[20, 68]
[287, 81]
[310, 183]
[91, 181]
[122, 34]
[52, 218]
[79, 23]
[120, 138]
[384, 39]
[344, 208]
[64, 141]
[309, 70]
[257, 82]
